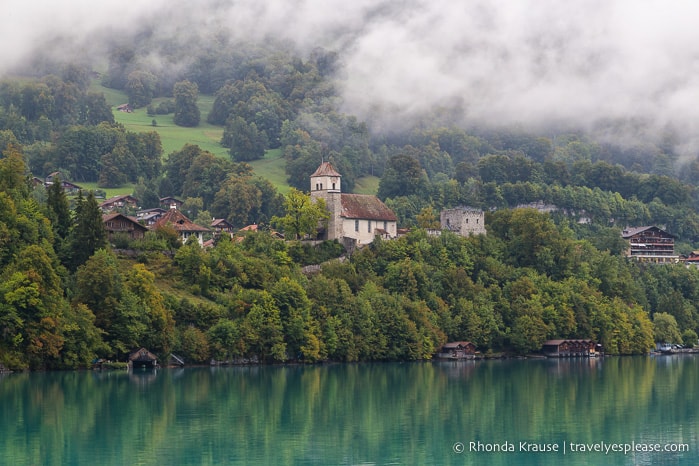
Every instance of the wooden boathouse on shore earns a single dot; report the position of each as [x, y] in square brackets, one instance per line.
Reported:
[143, 358]
[568, 348]
[457, 350]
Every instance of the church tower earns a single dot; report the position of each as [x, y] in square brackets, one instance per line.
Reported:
[325, 184]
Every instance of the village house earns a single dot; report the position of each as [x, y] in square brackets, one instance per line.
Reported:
[116, 223]
[150, 216]
[692, 259]
[355, 219]
[68, 187]
[569, 348]
[650, 244]
[170, 202]
[457, 350]
[222, 226]
[122, 202]
[184, 226]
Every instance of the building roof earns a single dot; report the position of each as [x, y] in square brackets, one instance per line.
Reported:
[171, 199]
[629, 232]
[221, 223]
[325, 169]
[178, 221]
[366, 206]
[121, 198]
[457, 344]
[572, 340]
[109, 217]
[142, 354]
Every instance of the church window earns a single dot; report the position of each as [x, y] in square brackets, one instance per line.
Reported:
[356, 225]
[369, 226]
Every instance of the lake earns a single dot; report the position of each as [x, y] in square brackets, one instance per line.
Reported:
[504, 412]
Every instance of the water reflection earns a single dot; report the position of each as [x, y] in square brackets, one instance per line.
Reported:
[351, 414]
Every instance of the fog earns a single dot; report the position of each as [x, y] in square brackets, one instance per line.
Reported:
[535, 64]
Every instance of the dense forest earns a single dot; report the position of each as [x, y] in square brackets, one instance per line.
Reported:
[68, 296]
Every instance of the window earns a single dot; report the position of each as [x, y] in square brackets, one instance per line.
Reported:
[356, 225]
[333, 186]
[369, 226]
[385, 225]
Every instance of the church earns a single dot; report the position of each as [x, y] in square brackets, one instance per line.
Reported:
[354, 218]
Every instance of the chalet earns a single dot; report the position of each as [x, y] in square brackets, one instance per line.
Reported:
[68, 187]
[122, 202]
[457, 350]
[150, 216]
[650, 244]
[184, 226]
[354, 218]
[691, 260]
[570, 348]
[464, 221]
[222, 226]
[170, 202]
[116, 223]
[142, 358]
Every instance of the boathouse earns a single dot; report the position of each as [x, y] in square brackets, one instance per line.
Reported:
[569, 348]
[457, 350]
[143, 358]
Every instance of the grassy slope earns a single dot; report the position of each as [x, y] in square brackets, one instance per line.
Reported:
[271, 167]
[206, 136]
[367, 185]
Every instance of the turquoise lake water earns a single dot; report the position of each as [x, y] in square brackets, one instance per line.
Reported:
[441, 413]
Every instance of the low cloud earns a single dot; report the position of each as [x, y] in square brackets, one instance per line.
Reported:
[531, 63]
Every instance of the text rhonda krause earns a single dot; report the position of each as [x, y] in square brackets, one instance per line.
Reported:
[574, 447]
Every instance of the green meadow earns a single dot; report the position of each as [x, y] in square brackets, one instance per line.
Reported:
[206, 136]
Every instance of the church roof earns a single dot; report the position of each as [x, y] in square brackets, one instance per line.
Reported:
[365, 206]
[325, 169]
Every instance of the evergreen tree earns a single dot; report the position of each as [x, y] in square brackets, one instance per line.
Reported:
[89, 234]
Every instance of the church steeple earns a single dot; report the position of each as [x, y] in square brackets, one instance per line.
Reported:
[326, 179]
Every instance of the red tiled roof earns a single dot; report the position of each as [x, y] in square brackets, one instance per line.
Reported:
[365, 206]
[178, 221]
[325, 169]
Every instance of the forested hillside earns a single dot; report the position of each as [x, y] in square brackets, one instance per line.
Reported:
[68, 296]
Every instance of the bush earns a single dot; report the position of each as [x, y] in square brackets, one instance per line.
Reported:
[304, 253]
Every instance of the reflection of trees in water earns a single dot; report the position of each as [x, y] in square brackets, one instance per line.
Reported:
[340, 413]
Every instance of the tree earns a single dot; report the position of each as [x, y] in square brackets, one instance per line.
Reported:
[140, 88]
[245, 141]
[88, 234]
[303, 214]
[186, 109]
[403, 177]
[95, 110]
[665, 328]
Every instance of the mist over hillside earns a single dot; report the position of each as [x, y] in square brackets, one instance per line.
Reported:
[623, 70]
